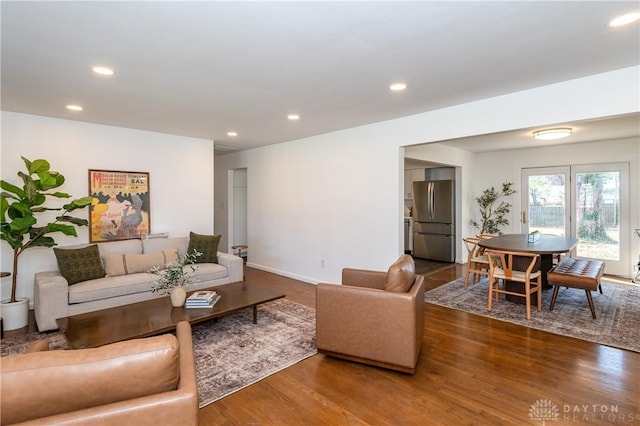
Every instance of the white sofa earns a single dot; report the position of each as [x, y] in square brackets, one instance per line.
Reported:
[55, 298]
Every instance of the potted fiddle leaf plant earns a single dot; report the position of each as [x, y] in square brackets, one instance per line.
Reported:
[19, 227]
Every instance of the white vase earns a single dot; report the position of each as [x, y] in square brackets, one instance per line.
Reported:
[14, 315]
[178, 296]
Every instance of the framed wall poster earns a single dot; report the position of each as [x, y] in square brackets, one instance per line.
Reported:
[120, 207]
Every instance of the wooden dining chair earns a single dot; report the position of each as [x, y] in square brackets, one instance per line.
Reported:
[485, 236]
[477, 260]
[501, 270]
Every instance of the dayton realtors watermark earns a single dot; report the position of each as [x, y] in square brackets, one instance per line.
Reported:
[544, 410]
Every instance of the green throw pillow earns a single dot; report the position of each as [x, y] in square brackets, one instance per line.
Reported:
[205, 244]
[78, 265]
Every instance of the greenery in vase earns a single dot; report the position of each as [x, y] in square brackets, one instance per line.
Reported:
[19, 207]
[175, 274]
[492, 216]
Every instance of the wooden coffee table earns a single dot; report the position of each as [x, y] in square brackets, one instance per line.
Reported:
[157, 316]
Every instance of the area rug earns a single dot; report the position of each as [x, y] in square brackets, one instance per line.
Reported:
[231, 352]
[617, 310]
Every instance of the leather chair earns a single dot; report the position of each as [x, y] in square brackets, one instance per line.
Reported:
[148, 381]
[374, 317]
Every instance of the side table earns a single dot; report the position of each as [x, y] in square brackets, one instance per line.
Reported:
[239, 248]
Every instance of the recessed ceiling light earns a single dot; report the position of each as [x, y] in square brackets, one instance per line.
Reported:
[397, 87]
[626, 19]
[293, 117]
[552, 134]
[103, 70]
[74, 107]
[232, 134]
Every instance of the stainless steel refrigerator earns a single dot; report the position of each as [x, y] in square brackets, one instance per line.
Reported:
[433, 220]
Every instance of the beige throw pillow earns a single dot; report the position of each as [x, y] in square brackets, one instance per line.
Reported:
[124, 264]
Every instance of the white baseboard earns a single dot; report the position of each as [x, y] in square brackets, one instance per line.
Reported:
[284, 273]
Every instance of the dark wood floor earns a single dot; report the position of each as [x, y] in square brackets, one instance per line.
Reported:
[472, 370]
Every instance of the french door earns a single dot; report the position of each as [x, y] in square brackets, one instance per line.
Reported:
[588, 202]
[546, 200]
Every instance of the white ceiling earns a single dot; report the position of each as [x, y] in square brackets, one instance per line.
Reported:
[611, 128]
[606, 129]
[203, 68]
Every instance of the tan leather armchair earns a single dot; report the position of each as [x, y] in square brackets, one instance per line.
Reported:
[147, 381]
[374, 317]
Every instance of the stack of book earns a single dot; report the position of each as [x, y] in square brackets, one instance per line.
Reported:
[202, 299]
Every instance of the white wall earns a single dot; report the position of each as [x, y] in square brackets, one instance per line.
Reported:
[339, 196]
[180, 176]
[301, 212]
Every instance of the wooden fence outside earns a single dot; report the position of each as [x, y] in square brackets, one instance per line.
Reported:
[553, 216]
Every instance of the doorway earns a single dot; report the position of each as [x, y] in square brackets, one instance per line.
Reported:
[237, 192]
[588, 202]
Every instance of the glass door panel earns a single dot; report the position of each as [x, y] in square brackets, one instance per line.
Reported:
[545, 196]
[601, 225]
[599, 210]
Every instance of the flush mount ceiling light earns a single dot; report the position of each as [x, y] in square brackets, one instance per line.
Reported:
[232, 134]
[293, 117]
[552, 134]
[103, 70]
[626, 19]
[398, 87]
[74, 107]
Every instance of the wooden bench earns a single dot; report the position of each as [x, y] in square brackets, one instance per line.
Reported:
[577, 273]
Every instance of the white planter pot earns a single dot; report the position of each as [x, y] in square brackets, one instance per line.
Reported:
[178, 296]
[14, 315]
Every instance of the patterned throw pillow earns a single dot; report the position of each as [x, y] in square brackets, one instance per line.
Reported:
[78, 265]
[205, 244]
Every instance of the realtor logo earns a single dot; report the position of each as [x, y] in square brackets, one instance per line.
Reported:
[543, 410]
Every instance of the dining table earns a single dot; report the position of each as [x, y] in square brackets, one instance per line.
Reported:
[546, 246]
